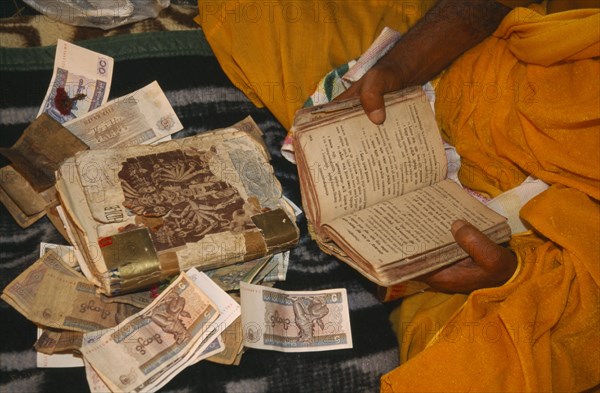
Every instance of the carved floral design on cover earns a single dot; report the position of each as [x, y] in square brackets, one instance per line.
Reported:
[179, 188]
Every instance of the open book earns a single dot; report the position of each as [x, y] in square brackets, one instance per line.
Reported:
[377, 197]
[140, 214]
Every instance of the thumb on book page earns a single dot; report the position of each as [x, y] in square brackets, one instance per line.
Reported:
[490, 256]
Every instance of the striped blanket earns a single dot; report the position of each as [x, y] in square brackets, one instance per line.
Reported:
[204, 99]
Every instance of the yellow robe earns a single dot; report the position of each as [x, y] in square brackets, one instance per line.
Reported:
[525, 101]
[277, 51]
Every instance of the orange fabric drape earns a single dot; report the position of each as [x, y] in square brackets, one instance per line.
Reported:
[525, 102]
[277, 51]
[540, 115]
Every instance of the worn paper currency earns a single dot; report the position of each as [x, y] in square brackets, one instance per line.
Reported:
[266, 269]
[295, 321]
[22, 219]
[55, 341]
[80, 82]
[248, 125]
[279, 272]
[207, 348]
[20, 191]
[49, 343]
[65, 253]
[95, 383]
[238, 358]
[50, 293]
[233, 342]
[142, 351]
[142, 117]
[229, 277]
[54, 346]
[140, 299]
[229, 309]
[40, 150]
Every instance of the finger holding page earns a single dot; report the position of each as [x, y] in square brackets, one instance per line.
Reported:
[382, 78]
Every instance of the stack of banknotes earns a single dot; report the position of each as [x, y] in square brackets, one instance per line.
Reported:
[133, 342]
[140, 341]
[175, 246]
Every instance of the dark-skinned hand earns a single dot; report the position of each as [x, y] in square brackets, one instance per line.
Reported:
[488, 264]
[384, 77]
[442, 35]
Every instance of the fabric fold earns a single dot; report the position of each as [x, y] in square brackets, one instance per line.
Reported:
[510, 117]
[276, 52]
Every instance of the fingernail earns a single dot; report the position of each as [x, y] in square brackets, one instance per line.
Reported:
[456, 225]
[377, 116]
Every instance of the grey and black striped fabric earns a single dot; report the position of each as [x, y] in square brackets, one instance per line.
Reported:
[204, 99]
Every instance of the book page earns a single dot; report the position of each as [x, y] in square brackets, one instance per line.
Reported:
[412, 224]
[354, 163]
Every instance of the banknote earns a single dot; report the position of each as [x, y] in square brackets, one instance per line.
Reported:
[266, 269]
[141, 117]
[143, 350]
[40, 150]
[49, 342]
[209, 347]
[20, 217]
[140, 299]
[65, 253]
[54, 347]
[56, 341]
[233, 343]
[295, 321]
[229, 277]
[97, 385]
[229, 309]
[20, 191]
[80, 82]
[50, 293]
[229, 312]
[277, 271]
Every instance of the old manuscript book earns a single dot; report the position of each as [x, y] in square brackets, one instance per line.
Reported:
[140, 214]
[377, 197]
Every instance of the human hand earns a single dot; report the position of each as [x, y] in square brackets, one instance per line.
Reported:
[488, 264]
[384, 77]
[426, 49]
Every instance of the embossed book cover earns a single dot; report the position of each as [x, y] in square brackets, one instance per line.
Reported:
[140, 214]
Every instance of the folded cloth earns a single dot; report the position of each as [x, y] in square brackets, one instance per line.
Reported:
[524, 102]
[276, 52]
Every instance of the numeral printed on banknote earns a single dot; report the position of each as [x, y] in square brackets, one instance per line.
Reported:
[295, 321]
[80, 82]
